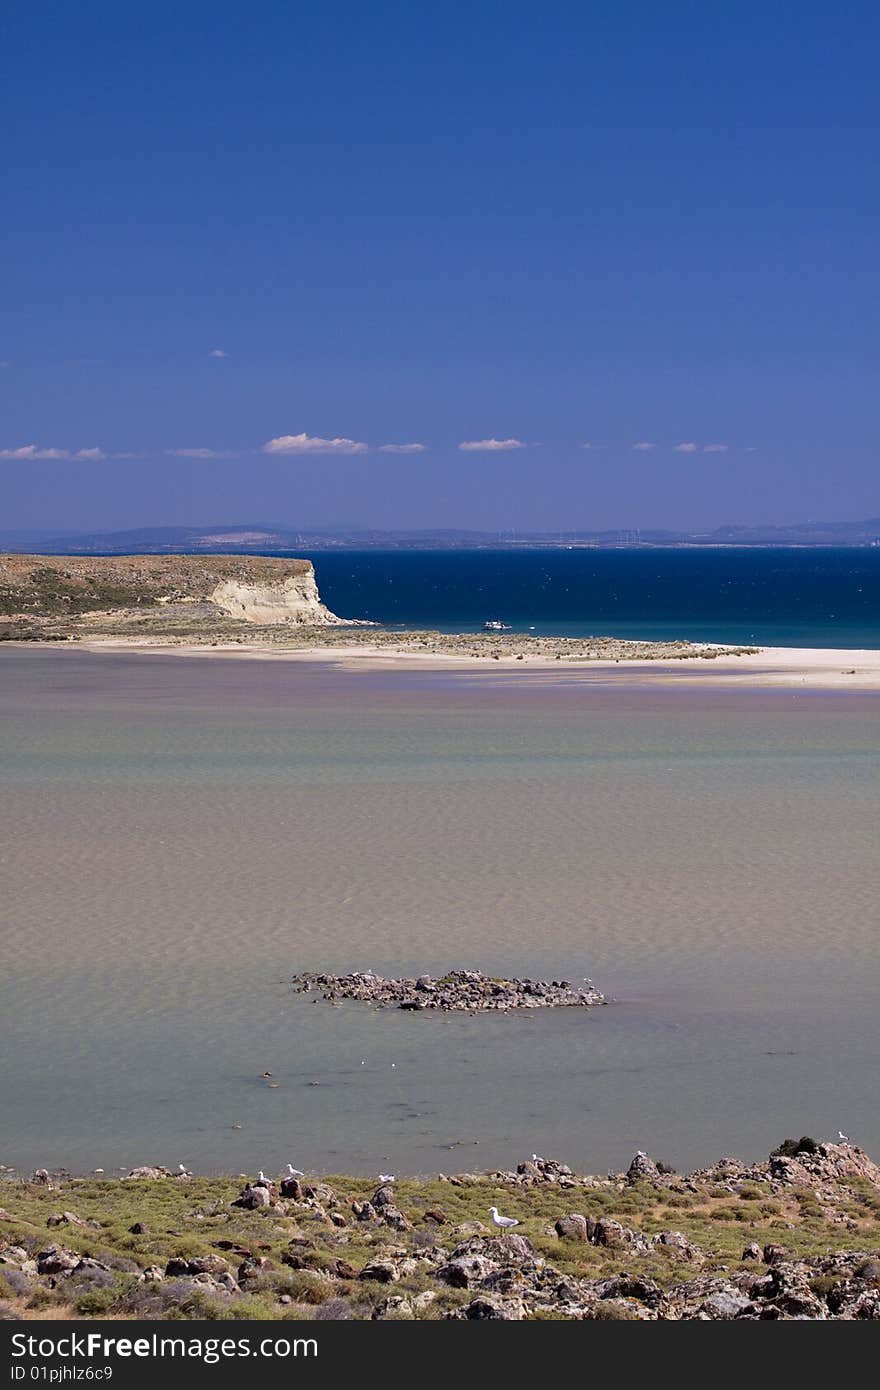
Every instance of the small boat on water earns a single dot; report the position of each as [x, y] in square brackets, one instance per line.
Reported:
[496, 625]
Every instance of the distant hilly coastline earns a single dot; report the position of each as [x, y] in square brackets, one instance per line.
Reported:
[262, 538]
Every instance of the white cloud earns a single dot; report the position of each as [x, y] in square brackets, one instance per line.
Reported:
[33, 451]
[490, 446]
[192, 454]
[217, 352]
[715, 448]
[644, 446]
[402, 448]
[687, 448]
[312, 444]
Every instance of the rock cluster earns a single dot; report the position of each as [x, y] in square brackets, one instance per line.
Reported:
[509, 1281]
[465, 990]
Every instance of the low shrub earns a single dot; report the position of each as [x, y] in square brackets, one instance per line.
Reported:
[790, 1148]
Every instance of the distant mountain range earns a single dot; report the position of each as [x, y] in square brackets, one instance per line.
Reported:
[259, 538]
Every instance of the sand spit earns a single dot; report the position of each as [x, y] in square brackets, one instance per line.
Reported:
[459, 990]
[602, 660]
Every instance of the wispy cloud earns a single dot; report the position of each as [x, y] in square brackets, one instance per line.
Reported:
[402, 448]
[687, 448]
[217, 352]
[715, 448]
[27, 452]
[193, 454]
[490, 446]
[34, 451]
[312, 444]
[644, 446]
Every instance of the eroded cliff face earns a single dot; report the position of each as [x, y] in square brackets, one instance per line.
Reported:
[248, 588]
[292, 600]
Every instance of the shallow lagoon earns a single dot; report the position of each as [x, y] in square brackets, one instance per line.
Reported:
[179, 835]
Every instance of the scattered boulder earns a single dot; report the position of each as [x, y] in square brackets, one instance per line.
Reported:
[774, 1254]
[253, 1197]
[678, 1244]
[251, 1268]
[641, 1168]
[487, 1307]
[395, 1219]
[466, 1271]
[395, 1306]
[55, 1259]
[178, 1266]
[631, 1286]
[67, 1218]
[613, 1236]
[382, 1271]
[572, 1227]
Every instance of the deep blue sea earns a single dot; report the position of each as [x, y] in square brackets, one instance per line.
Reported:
[797, 598]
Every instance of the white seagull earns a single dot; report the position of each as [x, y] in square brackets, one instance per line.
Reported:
[505, 1222]
[536, 1158]
[387, 1177]
[295, 1172]
[263, 1177]
[184, 1172]
[844, 1138]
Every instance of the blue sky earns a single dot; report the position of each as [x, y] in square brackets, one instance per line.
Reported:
[540, 226]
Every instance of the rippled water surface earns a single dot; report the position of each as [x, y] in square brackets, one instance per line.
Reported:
[179, 835]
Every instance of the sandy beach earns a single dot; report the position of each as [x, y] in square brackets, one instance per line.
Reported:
[767, 667]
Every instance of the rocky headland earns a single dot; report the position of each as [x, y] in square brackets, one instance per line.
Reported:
[255, 603]
[796, 1237]
[459, 990]
[60, 596]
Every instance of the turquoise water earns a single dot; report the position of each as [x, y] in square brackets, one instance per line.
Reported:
[784, 597]
[179, 836]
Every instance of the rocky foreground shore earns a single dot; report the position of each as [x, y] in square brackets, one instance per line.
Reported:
[796, 1237]
[460, 990]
